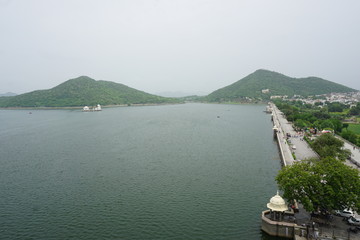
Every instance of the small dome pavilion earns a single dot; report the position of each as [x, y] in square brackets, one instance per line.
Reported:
[277, 207]
[278, 220]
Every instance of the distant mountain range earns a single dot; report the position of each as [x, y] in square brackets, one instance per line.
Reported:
[274, 83]
[83, 91]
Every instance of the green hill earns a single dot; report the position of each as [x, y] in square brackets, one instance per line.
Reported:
[278, 84]
[83, 91]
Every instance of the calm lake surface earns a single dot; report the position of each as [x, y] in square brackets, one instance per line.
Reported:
[190, 171]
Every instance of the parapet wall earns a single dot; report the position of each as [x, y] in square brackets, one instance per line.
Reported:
[285, 152]
[278, 138]
[274, 228]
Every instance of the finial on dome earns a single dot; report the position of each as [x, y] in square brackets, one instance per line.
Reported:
[277, 203]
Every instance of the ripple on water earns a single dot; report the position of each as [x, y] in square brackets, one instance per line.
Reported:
[168, 172]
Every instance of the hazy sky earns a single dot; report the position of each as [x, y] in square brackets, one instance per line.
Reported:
[176, 45]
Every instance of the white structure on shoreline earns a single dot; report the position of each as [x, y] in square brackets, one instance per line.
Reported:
[87, 109]
[97, 108]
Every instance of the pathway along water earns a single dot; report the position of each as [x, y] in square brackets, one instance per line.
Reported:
[303, 151]
[160, 172]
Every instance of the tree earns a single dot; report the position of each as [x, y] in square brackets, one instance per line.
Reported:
[349, 135]
[317, 124]
[355, 110]
[327, 124]
[325, 184]
[321, 115]
[338, 125]
[327, 145]
[336, 107]
[299, 123]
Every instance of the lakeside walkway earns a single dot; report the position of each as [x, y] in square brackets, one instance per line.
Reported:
[298, 146]
[336, 226]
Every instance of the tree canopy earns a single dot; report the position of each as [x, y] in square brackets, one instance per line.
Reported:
[327, 145]
[336, 106]
[325, 184]
[305, 117]
[355, 110]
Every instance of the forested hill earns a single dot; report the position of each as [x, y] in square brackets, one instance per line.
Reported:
[83, 91]
[278, 84]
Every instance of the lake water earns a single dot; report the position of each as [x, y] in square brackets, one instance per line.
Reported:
[190, 171]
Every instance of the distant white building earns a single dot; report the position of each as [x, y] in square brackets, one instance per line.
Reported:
[87, 109]
[97, 108]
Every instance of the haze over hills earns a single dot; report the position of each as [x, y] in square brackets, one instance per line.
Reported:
[252, 85]
[83, 91]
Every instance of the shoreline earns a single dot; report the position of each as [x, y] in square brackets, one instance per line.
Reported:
[81, 107]
[128, 105]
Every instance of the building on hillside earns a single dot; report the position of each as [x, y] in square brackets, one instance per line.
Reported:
[282, 97]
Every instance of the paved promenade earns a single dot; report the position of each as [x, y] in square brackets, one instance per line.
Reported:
[285, 151]
[302, 151]
[295, 145]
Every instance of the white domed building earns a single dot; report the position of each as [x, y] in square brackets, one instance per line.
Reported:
[277, 207]
[278, 220]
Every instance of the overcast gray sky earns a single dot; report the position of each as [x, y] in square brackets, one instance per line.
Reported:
[176, 45]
